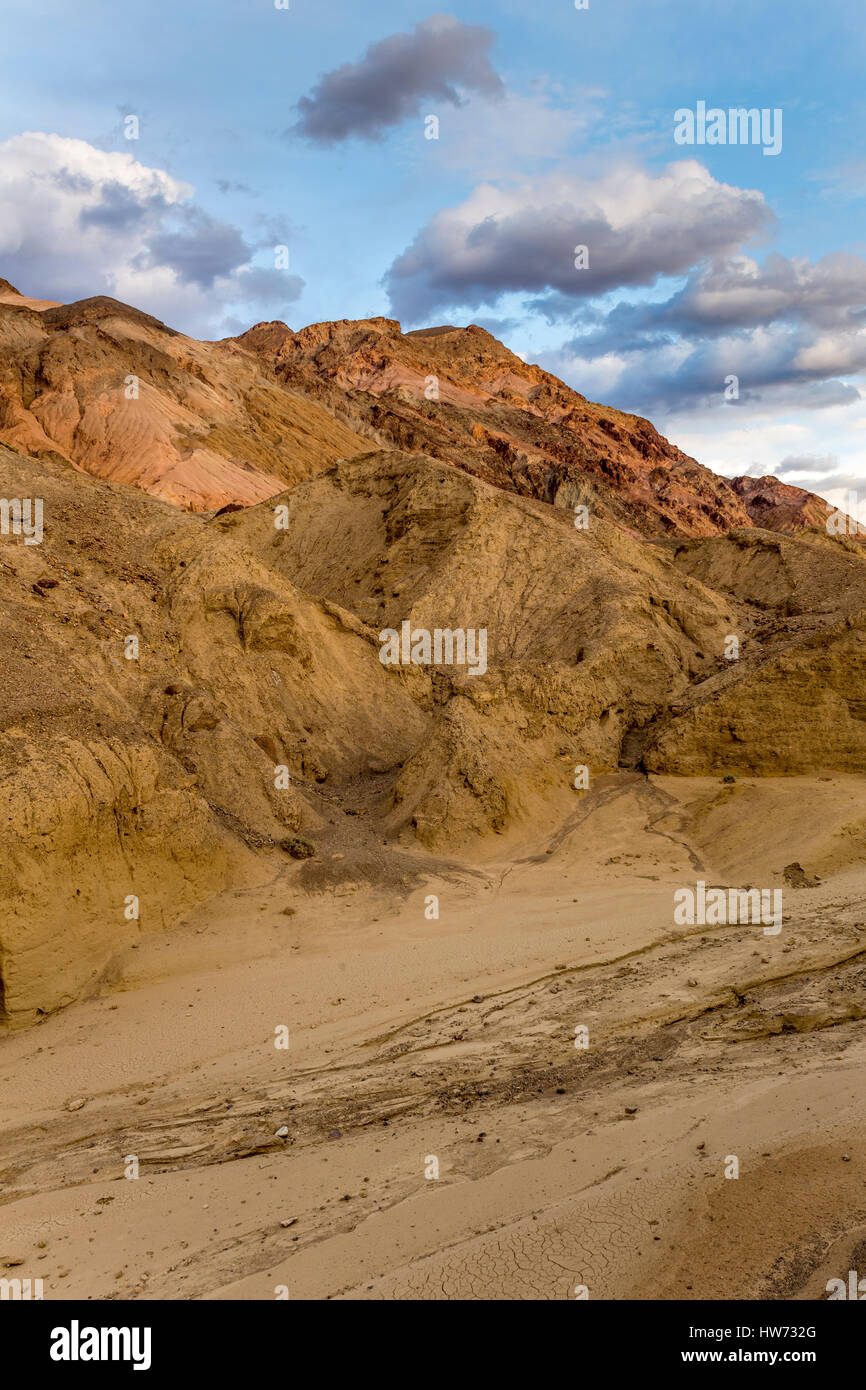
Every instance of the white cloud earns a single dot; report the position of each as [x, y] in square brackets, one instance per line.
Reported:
[636, 226]
[77, 221]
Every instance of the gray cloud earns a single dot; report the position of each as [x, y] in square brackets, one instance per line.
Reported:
[834, 483]
[636, 227]
[234, 186]
[789, 329]
[816, 465]
[739, 292]
[440, 58]
[200, 251]
[260, 285]
[825, 300]
[772, 368]
[115, 206]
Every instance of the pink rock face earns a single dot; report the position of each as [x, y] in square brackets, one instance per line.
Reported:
[115, 393]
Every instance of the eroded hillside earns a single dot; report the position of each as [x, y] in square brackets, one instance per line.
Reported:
[185, 699]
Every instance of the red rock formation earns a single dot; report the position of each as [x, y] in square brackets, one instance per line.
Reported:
[459, 395]
[235, 422]
[779, 506]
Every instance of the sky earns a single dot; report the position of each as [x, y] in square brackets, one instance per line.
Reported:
[531, 166]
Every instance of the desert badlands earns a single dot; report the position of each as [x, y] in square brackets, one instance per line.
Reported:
[432, 825]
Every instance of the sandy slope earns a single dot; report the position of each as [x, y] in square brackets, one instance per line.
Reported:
[413, 1038]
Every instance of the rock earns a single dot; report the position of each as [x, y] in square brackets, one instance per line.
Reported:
[76, 1104]
[796, 877]
[298, 847]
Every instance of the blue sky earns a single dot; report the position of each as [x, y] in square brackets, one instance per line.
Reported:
[304, 127]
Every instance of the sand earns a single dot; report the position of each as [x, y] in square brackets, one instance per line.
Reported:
[416, 1042]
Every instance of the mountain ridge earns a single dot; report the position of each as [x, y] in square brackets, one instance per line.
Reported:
[113, 391]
